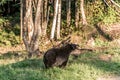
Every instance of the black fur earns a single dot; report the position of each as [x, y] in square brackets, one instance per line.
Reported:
[58, 56]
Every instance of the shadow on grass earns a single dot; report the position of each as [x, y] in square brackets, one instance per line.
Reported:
[34, 63]
[102, 33]
[112, 67]
[29, 69]
[94, 61]
[29, 63]
[13, 54]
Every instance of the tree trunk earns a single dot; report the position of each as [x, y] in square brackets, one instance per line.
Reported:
[21, 19]
[25, 24]
[34, 45]
[54, 20]
[44, 26]
[31, 29]
[84, 21]
[77, 14]
[59, 20]
[30, 22]
[68, 9]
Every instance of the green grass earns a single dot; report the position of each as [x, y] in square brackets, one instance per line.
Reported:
[85, 67]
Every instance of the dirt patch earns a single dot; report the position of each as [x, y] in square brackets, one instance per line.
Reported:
[109, 78]
[105, 57]
[11, 49]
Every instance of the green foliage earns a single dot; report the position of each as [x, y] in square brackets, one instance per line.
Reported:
[2, 20]
[110, 17]
[9, 30]
[3, 2]
[67, 30]
[97, 11]
[8, 39]
[100, 43]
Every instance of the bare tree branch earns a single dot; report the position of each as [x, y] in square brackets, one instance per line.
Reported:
[115, 3]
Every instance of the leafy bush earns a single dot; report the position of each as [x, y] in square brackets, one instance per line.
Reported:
[100, 43]
[9, 30]
[110, 17]
[8, 39]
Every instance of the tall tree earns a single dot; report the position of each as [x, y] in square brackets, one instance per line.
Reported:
[44, 22]
[31, 26]
[68, 9]
[21, 19]
[59, 19]
[84, 21]
[77, 13]
[54, 20]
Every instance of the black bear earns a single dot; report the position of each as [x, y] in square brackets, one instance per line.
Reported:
[58, 56]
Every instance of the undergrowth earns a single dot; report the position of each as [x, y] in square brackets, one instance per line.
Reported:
[9, 31]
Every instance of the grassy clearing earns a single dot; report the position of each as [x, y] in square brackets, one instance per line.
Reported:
[86, 66]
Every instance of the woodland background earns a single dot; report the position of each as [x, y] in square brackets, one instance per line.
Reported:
[29, 27]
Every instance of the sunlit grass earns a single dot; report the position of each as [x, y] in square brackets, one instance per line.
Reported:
[84, 67]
